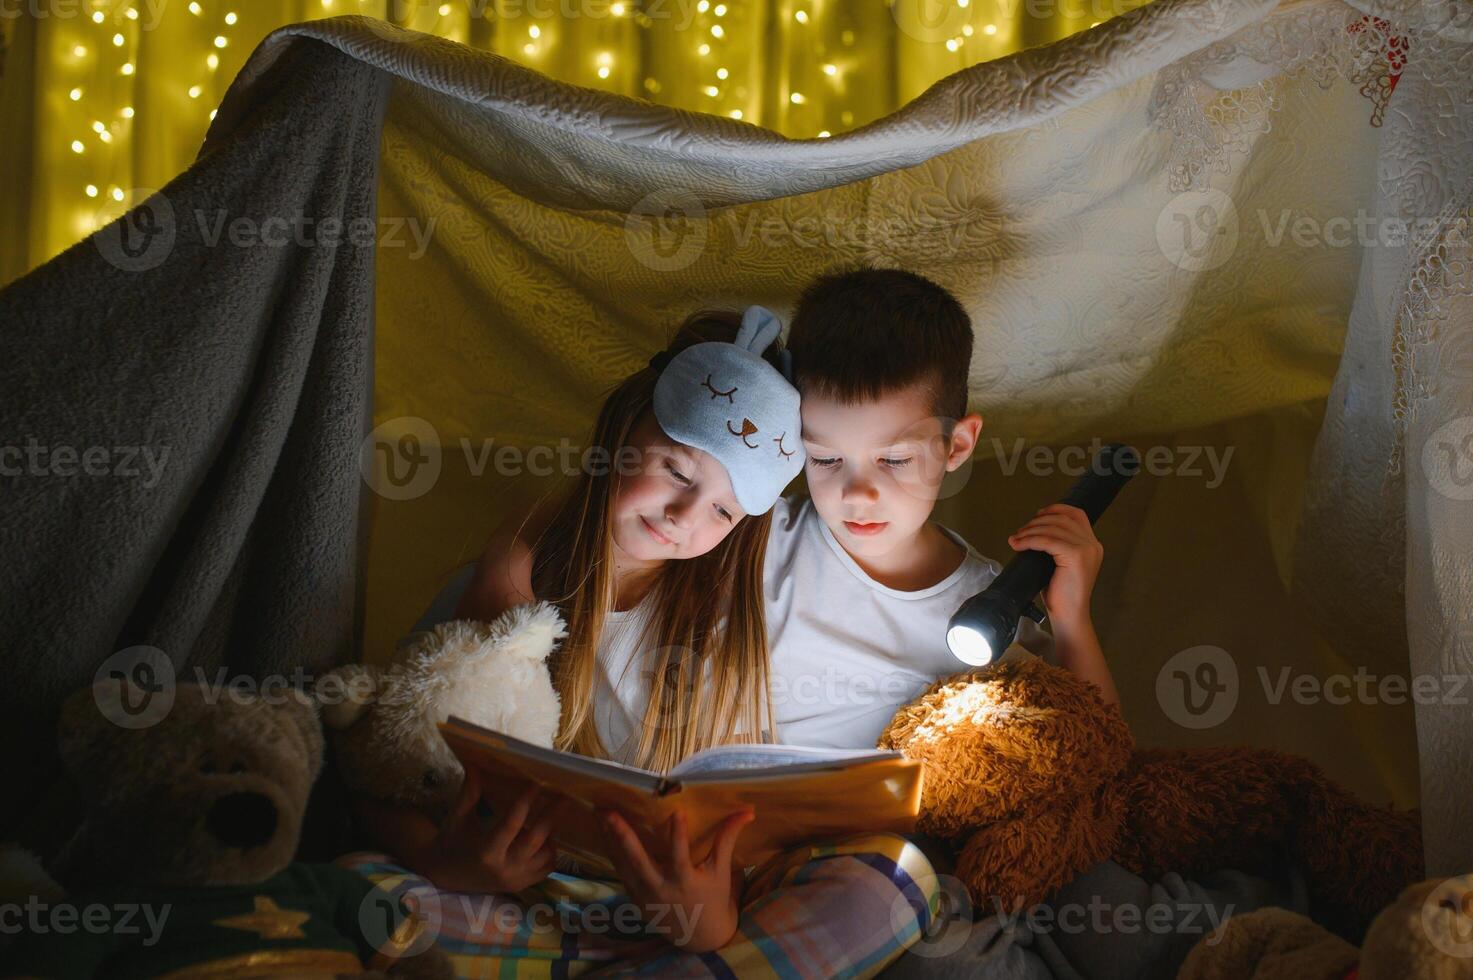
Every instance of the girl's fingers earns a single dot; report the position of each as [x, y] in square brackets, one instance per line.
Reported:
[679, 837]
[534, 835]
[726, 838]
[510, 824]
[470, 795]
[636, 858]
[545, 860]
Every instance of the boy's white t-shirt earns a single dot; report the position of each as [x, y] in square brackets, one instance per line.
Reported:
[848, 652]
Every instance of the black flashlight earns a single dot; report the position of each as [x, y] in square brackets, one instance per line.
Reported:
[986, 624]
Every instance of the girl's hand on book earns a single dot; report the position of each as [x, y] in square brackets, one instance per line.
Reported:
[505, 854]
[708, 893]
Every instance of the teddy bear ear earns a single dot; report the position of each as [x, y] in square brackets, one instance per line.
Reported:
[82, 731]
[298, 711]
[346, 694]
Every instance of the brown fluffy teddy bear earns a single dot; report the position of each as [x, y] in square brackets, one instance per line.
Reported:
[1426, 934]
[1035, 779]
[382, 726]
[194, 804]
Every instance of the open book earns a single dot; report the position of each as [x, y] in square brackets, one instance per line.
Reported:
[798, 794]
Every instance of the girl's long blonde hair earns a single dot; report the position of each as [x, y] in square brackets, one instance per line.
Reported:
[708, 683]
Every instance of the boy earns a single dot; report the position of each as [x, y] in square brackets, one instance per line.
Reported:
[859, 584]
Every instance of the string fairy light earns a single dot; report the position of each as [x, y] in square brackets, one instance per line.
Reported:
[104, 39]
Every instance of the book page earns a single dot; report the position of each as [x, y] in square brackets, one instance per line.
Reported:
[546, 765]
[759, 760]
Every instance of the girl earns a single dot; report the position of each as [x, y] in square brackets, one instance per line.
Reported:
[655, 556]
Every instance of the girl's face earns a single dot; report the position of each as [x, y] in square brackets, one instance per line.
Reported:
[677, 502]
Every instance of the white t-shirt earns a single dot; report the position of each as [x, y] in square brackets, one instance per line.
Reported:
[848, 652]
[620, 684]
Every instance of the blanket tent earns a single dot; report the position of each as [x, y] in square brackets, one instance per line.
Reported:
[1157, 225]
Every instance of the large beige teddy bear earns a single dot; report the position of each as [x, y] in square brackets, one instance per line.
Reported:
[190, 829]
[1426, 934]
[381, 720]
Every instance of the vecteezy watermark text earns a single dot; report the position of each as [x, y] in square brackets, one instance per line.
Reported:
[306, 231]
[1200, 688]
[383, 911]
[1182, 461]
[36, 916]
[150, 12]
[35, 458]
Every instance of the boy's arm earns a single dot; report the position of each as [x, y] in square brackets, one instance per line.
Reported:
[1079, 652]
[1064, 532]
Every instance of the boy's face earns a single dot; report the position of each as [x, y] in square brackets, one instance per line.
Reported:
[875, 468]
[680, 503]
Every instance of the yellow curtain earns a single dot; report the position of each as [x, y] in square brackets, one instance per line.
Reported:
[100, 98]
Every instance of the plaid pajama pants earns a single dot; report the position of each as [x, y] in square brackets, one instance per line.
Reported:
[842, 908]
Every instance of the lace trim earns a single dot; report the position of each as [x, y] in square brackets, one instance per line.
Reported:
[1210, 127]
[1442, 268]
[1329, 42]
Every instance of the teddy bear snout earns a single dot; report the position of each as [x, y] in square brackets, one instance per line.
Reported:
[243, 820]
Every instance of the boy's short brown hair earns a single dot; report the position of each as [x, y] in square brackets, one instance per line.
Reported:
[863, 333]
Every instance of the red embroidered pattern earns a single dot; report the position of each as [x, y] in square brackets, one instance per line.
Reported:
[1381, 84]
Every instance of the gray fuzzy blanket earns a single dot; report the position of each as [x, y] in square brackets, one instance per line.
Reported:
[183, 420]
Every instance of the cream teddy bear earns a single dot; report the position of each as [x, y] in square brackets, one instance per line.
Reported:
[381, 720]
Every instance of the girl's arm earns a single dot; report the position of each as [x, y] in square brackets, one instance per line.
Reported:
[503, 576]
